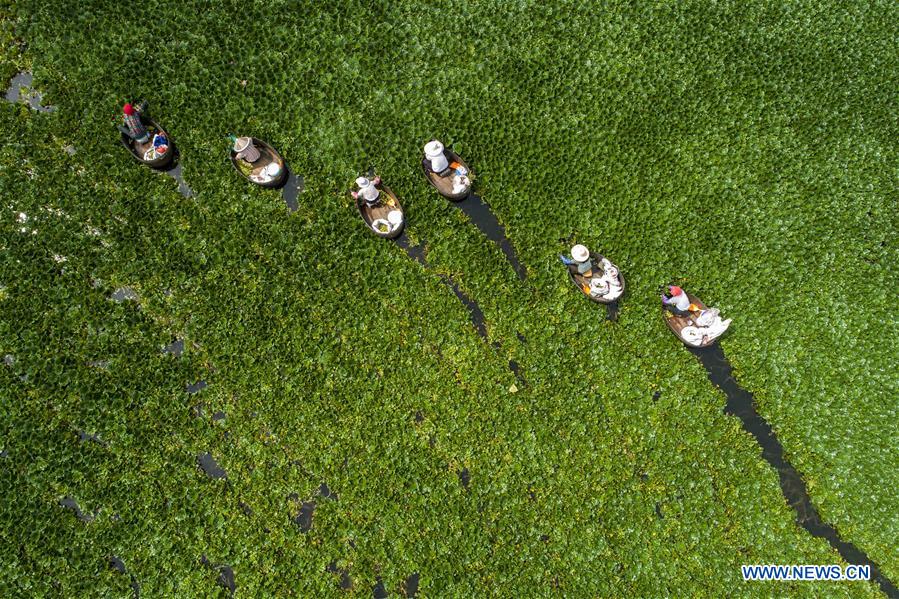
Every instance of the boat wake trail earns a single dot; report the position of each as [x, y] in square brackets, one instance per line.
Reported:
[740, 403]
[478, 211]
[417, 253]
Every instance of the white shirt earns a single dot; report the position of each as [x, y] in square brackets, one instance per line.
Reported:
[681, 302]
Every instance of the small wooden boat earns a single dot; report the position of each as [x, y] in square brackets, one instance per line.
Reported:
[443, 182]
[582, 282]
[139, 150]
[678, 323]
[256, 172]
[377, 217]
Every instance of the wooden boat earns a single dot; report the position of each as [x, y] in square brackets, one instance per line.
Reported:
[678, 323]
[252, 171]
[138, 149]
[583, 283]
[372, 214]
[444, 183]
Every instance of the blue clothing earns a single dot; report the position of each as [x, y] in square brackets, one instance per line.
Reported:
[583, 267]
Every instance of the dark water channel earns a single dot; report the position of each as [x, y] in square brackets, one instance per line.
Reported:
[174, 171]
[346, 583]
[119, 566]
[612, 311]
[475, 314]
[291, 190]
[410, 585]
[225, 574]
[417, 253]
[741, 403]
[479, 212]
[210, 467]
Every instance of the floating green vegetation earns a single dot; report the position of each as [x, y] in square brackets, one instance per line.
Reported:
[354, 429]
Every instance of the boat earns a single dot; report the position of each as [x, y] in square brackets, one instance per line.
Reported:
[582, 282]
[378, 218]
[443, 183]
[139, 150]
[258, 172]
[678, 323]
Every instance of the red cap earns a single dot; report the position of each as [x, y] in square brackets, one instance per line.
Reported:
[675, 290]
[128, 109]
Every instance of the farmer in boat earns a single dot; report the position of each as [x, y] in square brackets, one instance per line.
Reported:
[677, 303]
[368, 190]
[436, 158]
[132, 125]
[438, 164]
[245, 150]
[581, 261]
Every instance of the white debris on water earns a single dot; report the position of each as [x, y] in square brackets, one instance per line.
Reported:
[123, 294]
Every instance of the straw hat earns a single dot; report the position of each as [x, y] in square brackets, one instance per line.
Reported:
[241, 144]
[367, 189]
[580, 253]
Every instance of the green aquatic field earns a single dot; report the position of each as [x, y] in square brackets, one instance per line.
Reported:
[746, 150]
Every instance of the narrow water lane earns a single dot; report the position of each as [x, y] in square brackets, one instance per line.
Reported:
[293, 187]
[741, 403]
[417, 253]
[479, 212]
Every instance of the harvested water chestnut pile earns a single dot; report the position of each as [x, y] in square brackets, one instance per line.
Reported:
[282, 404]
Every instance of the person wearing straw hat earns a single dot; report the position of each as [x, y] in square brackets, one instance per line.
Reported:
[368, 190]
[437, 162]
[245, 150]
[581, 261]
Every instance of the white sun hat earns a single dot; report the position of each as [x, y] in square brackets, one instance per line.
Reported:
[395, 217]
[434, 153]
[370, 193]
[580, 253]
[433, 149]
[367, 189]
[245, 149]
